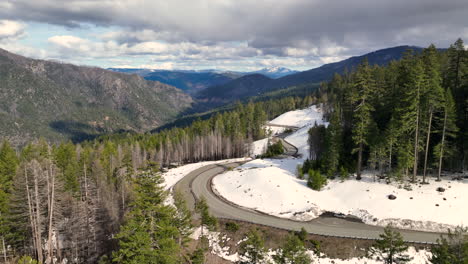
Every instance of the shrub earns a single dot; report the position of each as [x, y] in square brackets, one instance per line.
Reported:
[300, 172]
[274, 150]
[232, 227]
[343, 173]
[316, 180]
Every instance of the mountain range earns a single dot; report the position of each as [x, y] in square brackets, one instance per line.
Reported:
[62, 101]
[192, 81]
[254, 85]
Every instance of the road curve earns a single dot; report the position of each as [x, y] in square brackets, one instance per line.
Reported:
[198, 183]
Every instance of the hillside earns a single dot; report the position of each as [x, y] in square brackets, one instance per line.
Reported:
[59, 101]
[247, 85]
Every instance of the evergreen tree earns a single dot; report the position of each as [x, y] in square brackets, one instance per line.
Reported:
[411, 81]
[456, 79]
[449, 129]
[391, 247]
[252, 250]
[206, 218]
[8, 166]
[147, 235]
[363, 86]
[292, 252]
[333, 143]
[432, 95]
[452, 249]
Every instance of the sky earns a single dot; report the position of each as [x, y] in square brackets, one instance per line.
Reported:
[241, 35]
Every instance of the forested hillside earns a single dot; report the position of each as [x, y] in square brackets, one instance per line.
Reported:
[102, 199]
[407, 119]
[254, 84]
[62, 101]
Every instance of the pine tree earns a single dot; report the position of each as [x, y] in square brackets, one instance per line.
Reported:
[8, 167]
[293, 251]
[449, 129]
[363, 86]
[411, 78]
[432, 94]
[206, 218]
[252, 250]
[452, 249]
[148, 234]
[456, 79]
[333, 143]
[391, 247]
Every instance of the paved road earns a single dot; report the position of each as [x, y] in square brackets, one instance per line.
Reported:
[285, 126]
[198, 183]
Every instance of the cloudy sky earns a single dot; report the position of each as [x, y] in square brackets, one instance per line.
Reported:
[223, 34]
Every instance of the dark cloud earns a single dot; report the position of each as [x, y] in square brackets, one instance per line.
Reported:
[270, 27]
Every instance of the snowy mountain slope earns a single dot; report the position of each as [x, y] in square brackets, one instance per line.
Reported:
[275, 72]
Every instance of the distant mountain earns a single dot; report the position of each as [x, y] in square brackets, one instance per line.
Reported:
[250, 85]
[58, 101]
[274, 72]
[194, 81]
[189, 81]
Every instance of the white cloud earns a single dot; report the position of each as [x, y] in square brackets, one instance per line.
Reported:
[11, 30]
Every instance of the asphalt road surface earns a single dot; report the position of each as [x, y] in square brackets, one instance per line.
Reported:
[198, 183]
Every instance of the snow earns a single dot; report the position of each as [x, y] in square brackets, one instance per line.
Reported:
[300, 118]
[274, 130]
[258, 147]
[271, 186]
[215, 240]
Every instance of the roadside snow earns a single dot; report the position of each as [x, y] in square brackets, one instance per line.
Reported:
[215, 241]
[270, 186]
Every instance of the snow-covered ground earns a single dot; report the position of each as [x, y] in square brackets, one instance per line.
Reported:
[217, 240]
[271, 186]
[258, 147]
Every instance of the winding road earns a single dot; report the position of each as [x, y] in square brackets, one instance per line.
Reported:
[198, 183]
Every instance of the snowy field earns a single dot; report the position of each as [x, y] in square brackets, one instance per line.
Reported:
[217, 240]
[270, 186]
